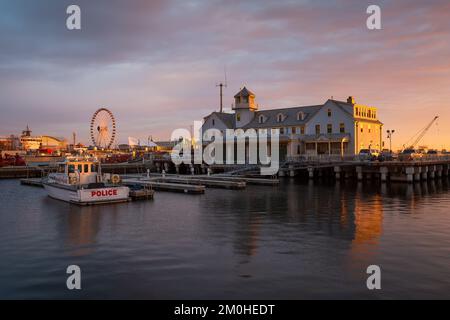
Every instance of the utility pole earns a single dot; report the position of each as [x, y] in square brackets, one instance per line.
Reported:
[221, 85]
[74, 136]
[389, 136]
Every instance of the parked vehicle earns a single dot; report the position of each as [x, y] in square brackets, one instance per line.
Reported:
[368, 154]
[386, 155]
[409, 154]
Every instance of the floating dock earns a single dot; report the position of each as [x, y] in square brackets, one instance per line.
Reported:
[165, 186]
[34, 182]
[142, 194]
[206, 178]
[211, 183]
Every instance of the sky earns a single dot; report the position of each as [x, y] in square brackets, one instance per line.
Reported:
[155, 64]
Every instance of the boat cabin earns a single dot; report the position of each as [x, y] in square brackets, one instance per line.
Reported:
[77, 171]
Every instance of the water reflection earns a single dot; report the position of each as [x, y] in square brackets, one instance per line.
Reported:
[263, 242]
[346, 210]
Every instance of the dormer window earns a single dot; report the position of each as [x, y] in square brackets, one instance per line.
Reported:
[279, 117]
[261, 119]
[329, 112]
[300, 116]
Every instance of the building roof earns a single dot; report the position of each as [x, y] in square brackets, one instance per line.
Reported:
[289, 114]
[244, 93]
[227, 118]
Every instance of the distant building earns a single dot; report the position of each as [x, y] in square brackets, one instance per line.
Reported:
[31, 143]
[9, 143]
[333, 128]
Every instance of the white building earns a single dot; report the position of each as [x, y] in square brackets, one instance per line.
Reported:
[333, 128]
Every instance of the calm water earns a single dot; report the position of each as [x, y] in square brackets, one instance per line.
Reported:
[297, 240]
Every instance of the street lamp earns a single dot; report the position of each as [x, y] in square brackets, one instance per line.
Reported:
[389, 136]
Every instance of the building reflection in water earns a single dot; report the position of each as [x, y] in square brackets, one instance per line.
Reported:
[368, 218]
[83, 225]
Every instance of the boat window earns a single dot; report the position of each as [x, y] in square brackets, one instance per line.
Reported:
[86, 168]
[93, 168]
[80, 168]
[61, 168]
[71, 168]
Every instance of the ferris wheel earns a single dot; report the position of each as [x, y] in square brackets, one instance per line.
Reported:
[103, 128]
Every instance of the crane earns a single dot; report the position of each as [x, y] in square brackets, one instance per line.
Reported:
[419, 135]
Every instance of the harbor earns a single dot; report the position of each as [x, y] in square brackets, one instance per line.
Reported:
[224, 155]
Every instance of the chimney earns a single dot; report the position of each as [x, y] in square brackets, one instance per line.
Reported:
[351, 100]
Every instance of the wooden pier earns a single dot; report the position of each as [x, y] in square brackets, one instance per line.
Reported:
[395, 171]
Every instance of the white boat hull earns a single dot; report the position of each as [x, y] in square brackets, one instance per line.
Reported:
[88, 196]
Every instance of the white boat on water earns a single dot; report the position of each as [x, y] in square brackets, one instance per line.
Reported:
[80, 181]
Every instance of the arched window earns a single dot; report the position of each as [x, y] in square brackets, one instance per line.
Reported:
[279, 117]
[261, 119]
[300, 116]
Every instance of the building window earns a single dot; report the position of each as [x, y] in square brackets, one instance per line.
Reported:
[329, 112]
[369, 128]
[329, 128]
[238, 117]
[357, 111]
[238, 100]
[261, 119]
[342, 128]
[317, 128]
[213, 122]
[281, 130]
[300, 116]
[279, 117]
[245, 99]
[294, 130]
[302, 130]
[298, 149]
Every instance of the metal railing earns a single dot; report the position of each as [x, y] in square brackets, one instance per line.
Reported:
[321, 158]
[325, 158]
